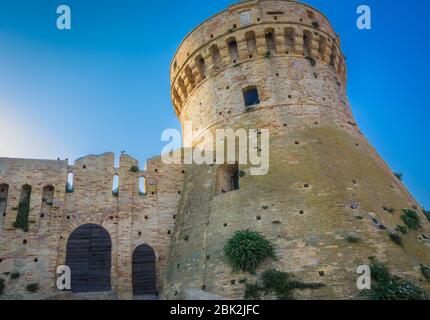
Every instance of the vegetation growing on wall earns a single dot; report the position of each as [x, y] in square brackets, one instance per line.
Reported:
[32, 287]
[134, 169]
[22, 216]
[15, 275]
[388, 287]
[427, 214]
[282, 284]
[246, 250]
[399, 175]
[396, 238]
[2, 285]
[411, 219]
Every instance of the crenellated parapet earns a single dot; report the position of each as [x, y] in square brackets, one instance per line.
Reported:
[249, 31]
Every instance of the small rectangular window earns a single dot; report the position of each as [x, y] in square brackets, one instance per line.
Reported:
[251, 97]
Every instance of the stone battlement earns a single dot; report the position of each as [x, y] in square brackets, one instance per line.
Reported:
[250, 31]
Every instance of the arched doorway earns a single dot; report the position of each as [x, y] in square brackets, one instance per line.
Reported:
[89, 258]
[144, 274]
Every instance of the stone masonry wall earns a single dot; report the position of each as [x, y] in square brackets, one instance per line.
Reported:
[131, 218]
[326, 181]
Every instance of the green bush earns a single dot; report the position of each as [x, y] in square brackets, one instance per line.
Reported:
[252, 291]
[388, 287]
[22, 216]
[268, 54]
[2, 285]
[379, 270]
[246, 250]
[401, 229]
[280, 283]
[353, 238]
[33, 287]
[411, 219]
[425, 271]
[396, 239]
[399, 175]
[15, 275]
[134, 169]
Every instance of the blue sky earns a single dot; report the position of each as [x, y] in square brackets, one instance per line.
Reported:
[104, 85]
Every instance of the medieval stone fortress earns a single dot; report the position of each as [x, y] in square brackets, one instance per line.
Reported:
[328, 203]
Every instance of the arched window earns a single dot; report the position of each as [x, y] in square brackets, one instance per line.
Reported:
[4, 192]
[23, 208]
[70, 187]
[233, 50]
[216, 57]
[201, 66]
[290, 39]
[307, 42]
[142, 186]
[250, 96]
[227, 178]
[270, 40]
[251, 43]
[115, 186]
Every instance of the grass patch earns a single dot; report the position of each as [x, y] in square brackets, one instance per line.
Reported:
[388, 287]
[396, 239]
[252, 291]
[134, 169]
[411, 219]
[246, 250]
[280, 283]
[15, 275]
[22, 216]
[33, 287]
[353, 239]
[401, 229]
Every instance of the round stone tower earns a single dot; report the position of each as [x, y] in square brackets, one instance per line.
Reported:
[278, 65]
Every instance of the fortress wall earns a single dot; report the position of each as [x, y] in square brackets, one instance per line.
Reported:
[325, 180]
[132, 219]
[33, 254]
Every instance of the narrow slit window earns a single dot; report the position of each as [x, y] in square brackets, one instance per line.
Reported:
[115, 186]
[4, 191]
[142, 186]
